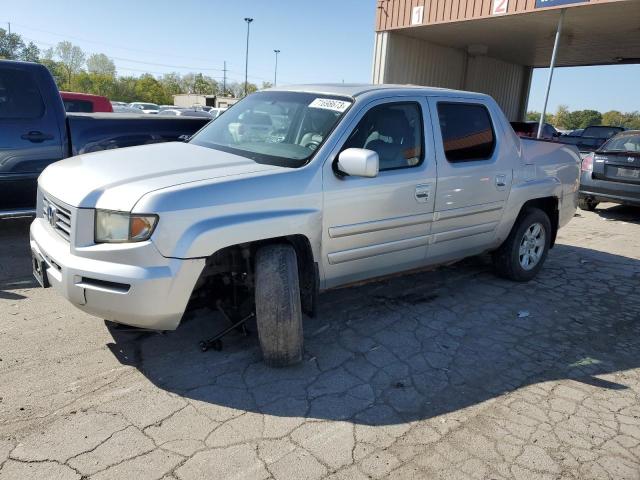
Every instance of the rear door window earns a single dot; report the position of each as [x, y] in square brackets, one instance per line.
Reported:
[20, 96]
[467, 131]
[82, 106]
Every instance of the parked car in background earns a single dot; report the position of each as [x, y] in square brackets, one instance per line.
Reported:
[351, 183]
[576, 133]
[530, 130]
[215, 112]
[612, 173]
[127, 109]
[166, 107]
[185, 112]
[592, 138]
[35, 131]
[145, 107]
[85, 103]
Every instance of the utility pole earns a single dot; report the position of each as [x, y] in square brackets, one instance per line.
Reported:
[275, 75]
[224, 79]
[246, 59]
[551, 67]
[9, 24]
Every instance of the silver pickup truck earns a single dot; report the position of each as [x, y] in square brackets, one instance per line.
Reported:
[294, 191]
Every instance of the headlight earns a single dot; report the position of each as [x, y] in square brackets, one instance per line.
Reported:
[117, 227]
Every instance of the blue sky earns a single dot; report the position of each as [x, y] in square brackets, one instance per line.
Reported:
[320, 41]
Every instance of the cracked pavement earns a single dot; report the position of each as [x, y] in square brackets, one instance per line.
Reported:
[451, 373]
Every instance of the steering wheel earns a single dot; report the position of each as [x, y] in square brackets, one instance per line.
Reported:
[312, 145]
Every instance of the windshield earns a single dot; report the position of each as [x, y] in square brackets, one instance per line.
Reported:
[278, 128]
[623, 143]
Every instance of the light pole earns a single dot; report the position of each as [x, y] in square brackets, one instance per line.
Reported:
[246, 60]
[275, 75]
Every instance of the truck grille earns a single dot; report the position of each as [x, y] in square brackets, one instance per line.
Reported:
[59, 217]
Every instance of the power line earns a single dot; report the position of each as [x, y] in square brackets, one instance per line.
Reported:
[153, 64]
[224, 70]
[65, 36]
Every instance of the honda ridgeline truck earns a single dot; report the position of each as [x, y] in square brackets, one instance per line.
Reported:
[294, 191]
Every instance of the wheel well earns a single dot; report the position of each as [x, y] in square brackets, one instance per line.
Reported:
[549, 205]
[229, 272]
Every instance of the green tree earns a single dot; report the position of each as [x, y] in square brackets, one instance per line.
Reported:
[125, 89]
[148, 89]
[71, 56]
[30, 53]
[11, 45]
[200, 85]
[632, 120]
[171, 83]
[535, 117]
[101, 64]
[564, 119]
[57, 71]
[587, 118]
[616, 118]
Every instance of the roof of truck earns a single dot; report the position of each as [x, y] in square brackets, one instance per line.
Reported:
[358, 89]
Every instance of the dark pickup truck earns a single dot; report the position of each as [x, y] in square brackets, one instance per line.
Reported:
[592, 138]
[35, 131]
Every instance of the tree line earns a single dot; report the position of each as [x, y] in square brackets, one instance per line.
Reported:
[572, 120]
[76, 71]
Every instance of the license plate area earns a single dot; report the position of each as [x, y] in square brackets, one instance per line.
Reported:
[40, 270]
[633, 173]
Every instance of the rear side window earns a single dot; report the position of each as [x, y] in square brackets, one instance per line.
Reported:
[467, 132]
[81, 106]
[19, 95]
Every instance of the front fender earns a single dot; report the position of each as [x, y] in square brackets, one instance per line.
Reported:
[208, 236]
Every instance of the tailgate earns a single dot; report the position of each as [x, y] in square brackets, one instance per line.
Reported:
[621, 167]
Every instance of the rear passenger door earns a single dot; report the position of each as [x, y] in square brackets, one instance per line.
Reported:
[474, 176]
[30, 138]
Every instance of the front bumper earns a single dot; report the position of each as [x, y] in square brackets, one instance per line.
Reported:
[606, 191]
[148, 291]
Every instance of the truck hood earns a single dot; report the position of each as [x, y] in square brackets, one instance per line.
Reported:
[117, 179]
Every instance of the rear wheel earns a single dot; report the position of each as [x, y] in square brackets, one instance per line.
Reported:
[587, 203]
[278, 309]
[523, 253]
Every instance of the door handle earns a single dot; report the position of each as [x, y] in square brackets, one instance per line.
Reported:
[422, 193]
[36, 137]
[501, 182]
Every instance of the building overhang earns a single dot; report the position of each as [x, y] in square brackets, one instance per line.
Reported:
[593, 34]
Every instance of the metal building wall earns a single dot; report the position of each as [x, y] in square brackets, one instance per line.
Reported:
[406, 60]
[508, 83]
[396, 14]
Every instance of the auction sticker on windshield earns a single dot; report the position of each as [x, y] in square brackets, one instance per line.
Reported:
[330, 104]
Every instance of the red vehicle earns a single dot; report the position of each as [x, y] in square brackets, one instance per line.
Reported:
[85, 102]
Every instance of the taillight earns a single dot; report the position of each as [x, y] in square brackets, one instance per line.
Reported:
[587, 163]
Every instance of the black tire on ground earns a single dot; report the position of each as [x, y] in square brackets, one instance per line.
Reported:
[278, 309]
[506, 259]
[586, 203]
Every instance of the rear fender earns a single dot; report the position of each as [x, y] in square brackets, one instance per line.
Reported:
[521, 193]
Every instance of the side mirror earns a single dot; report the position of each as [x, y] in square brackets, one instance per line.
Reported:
[359, 162]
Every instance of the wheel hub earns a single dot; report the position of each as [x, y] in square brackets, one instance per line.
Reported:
[532, 246]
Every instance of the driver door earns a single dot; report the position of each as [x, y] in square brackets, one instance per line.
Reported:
[377, 226]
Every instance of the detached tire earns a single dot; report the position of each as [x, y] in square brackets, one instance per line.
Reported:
[586, 203]
[523, 253]
[278, 309]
